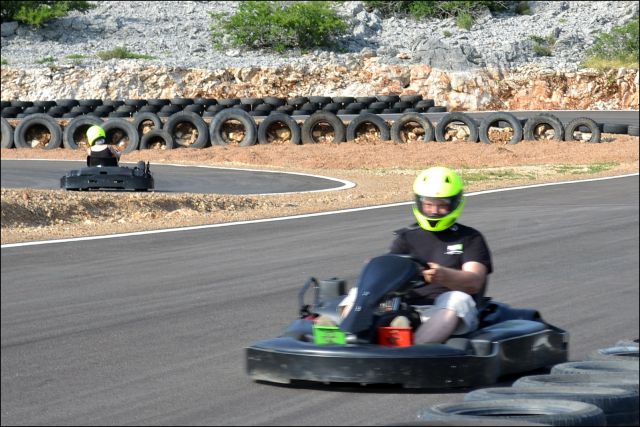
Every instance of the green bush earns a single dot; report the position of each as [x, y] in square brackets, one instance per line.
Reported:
[464, 20]
[279, 25]
[618, 48]
[35, 13]
[435, 8]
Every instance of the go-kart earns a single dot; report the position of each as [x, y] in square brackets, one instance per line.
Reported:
[107, 174]
[508, 340]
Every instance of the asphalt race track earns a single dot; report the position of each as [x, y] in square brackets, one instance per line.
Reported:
[151, 329]
[46, 174]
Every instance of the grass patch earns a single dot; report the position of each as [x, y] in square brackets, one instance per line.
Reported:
[46, 60]
[543, 46]
[4, 62]
[122, 53]
[76, 56]
[580, 169]
[523, 8]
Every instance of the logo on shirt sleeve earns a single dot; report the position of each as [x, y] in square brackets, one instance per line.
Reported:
[454, 249]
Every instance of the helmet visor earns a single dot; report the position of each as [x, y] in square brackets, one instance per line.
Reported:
[437, 207]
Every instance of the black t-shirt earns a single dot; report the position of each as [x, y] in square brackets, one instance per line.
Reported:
[450, 248]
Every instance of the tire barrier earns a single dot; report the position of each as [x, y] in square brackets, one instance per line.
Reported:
[165, 107]
[582, 125]
[544, 411]
[146, 121]
[493, 120]
[628, 353]
[184, 123]
[156, 139]
[443, 123]
[268, 128]
[216, 128]
[7, 134]
[544, 125]
[411, 124]
[122, 134]
[593, 366]
[618, 405]
[605, 379]
[633, 130]
[310, 127]
[616, 128]
[50, 139]
[74, 134]
[541, 123]
[367, 119]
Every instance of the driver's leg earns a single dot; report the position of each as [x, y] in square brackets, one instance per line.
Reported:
[438, 328]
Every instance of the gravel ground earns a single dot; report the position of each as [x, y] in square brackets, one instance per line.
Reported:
[30, 215]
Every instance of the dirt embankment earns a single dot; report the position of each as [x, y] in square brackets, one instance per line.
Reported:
[382, 170]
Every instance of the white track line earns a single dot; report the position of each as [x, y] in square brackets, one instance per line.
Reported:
[228, 224]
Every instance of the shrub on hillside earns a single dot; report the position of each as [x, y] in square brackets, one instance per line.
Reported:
[35, 13]
[434, 8]
[278, 25]
[617, 48]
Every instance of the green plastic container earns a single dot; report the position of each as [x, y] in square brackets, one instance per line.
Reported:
[329, 335]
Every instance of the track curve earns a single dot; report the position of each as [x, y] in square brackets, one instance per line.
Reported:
[151, 329]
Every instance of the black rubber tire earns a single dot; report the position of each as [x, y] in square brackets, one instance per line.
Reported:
[545, 411]
[388, 99]
[114, 124]
[576, 123]
[67, 103]
[398, 126]
[412, 99]
[540, 119]
[7, 134]
[616, 128]
[629, 353]
[633, 130]
[327, 117]
[628, 343]
[618, 405]
[140, 118]
[368, 118]
[249, 124]
[449, 118]
[610, 379]
[194, 119]
[437, 109]
[275, 101]
[181, 102]
[91, 103]
[591, 366]
[297, 101]
[343, 100]
[20, 132]
[284, 119]
[493, 119]
[156, 135]
[77, 125]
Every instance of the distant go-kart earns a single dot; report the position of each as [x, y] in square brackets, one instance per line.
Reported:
[107, 174]
[365, 350]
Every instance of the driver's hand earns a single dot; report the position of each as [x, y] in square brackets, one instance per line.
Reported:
[433, 273]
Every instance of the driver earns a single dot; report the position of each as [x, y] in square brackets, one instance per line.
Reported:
[457, 260]
[98, 148]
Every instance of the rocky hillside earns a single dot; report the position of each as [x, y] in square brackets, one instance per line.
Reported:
[491, 66]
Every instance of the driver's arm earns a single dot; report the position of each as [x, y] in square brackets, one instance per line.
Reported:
[469, 279]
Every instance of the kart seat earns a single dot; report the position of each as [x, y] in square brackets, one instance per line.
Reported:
[101, 161]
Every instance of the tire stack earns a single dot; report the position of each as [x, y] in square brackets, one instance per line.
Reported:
[602, 390]
[202, 122]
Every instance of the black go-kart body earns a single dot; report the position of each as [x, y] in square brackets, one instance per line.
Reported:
[508, 341]
[109, 176]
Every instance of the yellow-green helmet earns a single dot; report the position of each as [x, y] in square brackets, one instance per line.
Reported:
[438, 184]
[94, 133]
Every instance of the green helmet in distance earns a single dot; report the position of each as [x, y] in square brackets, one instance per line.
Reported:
[441, 186]
[94, 133]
